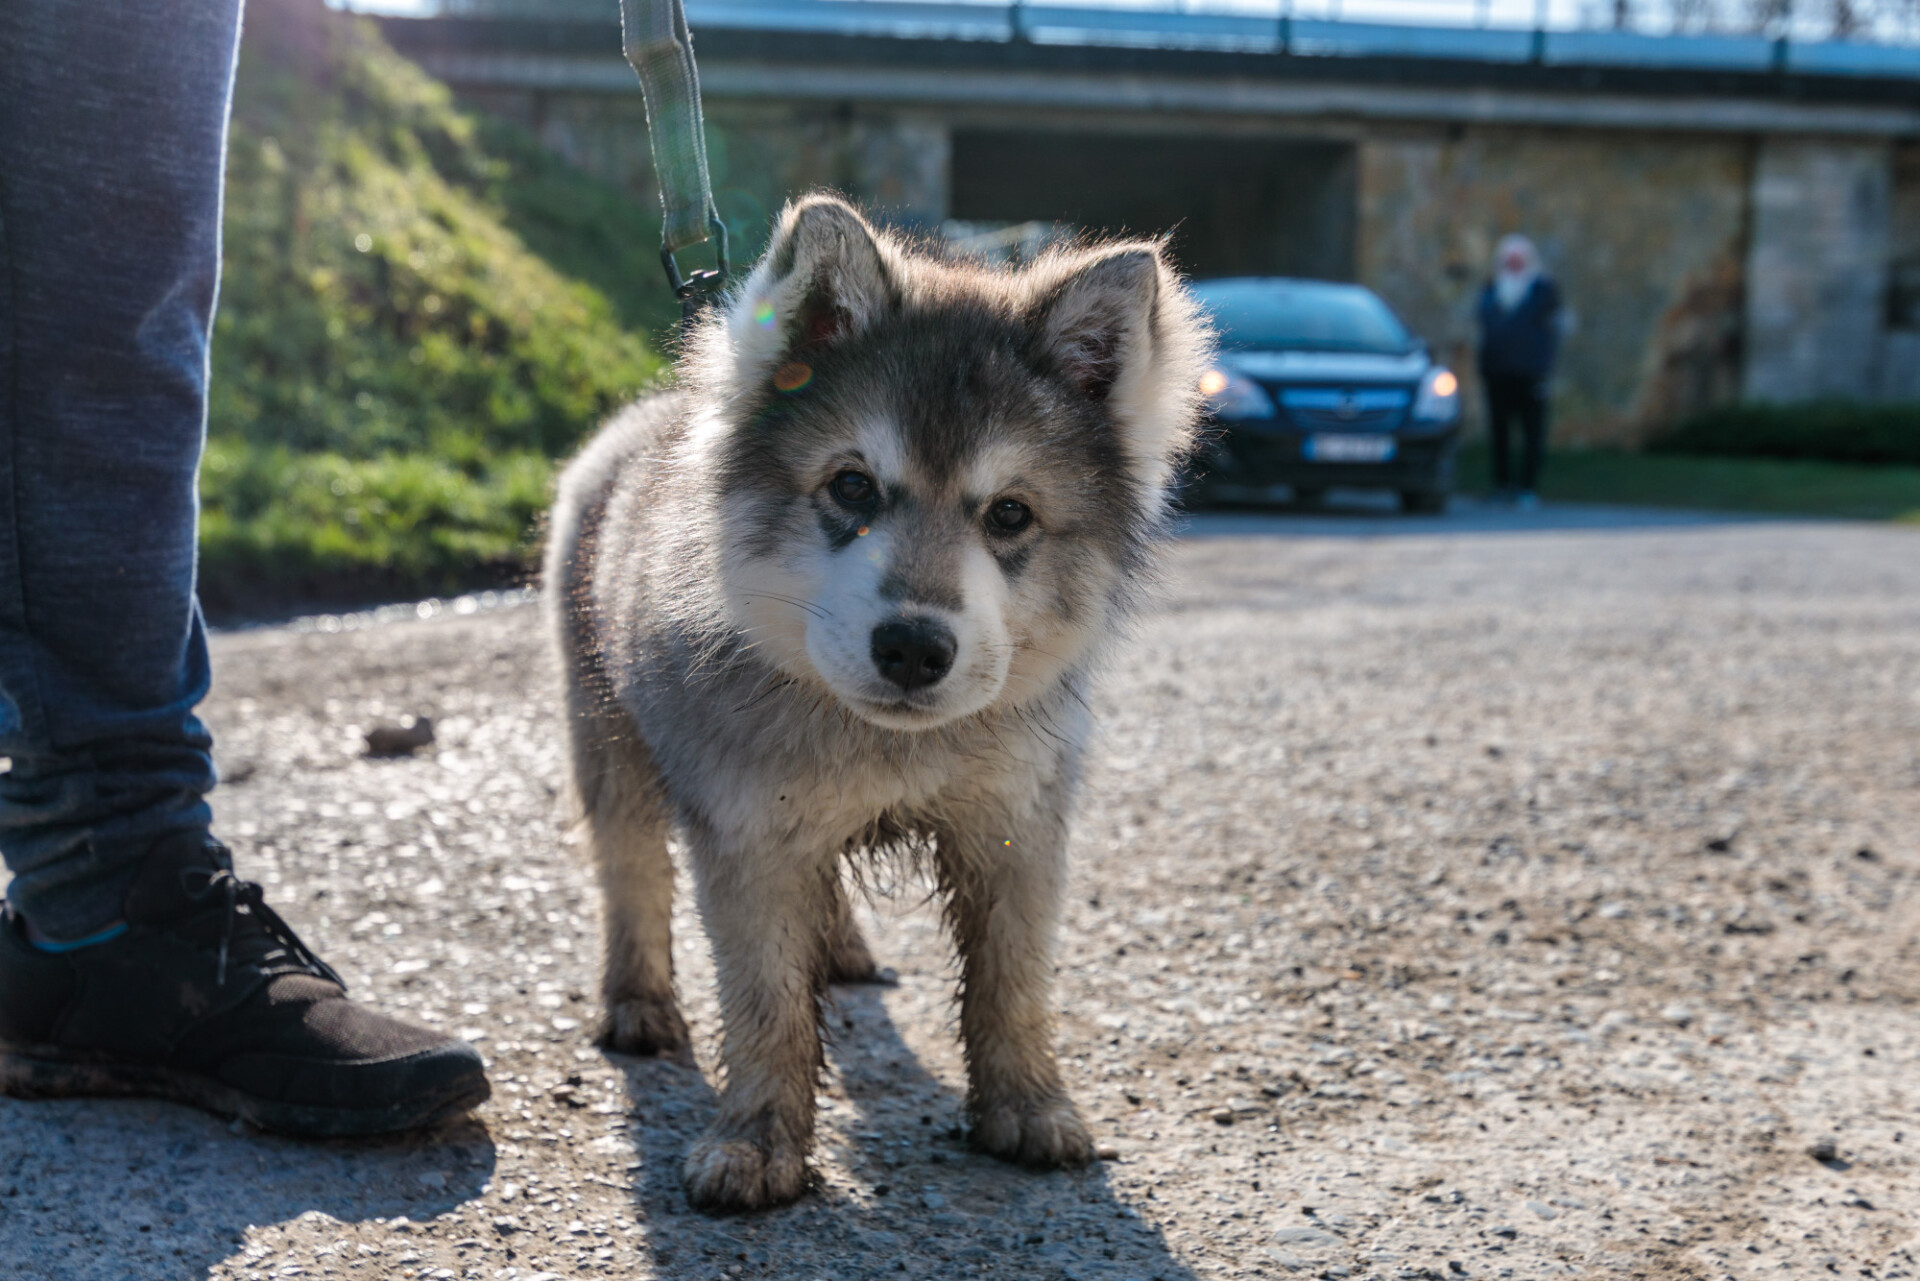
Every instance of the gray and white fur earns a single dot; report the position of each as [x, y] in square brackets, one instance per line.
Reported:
[841, 592]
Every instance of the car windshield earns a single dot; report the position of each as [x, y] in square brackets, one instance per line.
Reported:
[1256, 315]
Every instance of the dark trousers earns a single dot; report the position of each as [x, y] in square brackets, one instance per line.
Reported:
[113, 118]
[1509, 398]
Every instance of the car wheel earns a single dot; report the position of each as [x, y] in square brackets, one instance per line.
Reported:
[1423, 502]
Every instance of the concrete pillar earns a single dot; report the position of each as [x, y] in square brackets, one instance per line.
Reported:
[1816, 269]
[900, 166]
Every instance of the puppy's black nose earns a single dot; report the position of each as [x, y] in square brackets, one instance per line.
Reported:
[913, 652]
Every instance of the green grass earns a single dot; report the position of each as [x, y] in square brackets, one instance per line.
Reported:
[1851, 490]
[1835, 431]
[420, 309]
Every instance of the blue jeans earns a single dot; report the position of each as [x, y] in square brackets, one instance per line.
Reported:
[113, 119]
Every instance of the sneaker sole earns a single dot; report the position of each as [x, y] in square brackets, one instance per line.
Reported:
[47, 1072]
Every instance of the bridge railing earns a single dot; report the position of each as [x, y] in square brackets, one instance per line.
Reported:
[1474, 30]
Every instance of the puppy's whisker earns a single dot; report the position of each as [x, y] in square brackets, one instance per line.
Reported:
[820, 612]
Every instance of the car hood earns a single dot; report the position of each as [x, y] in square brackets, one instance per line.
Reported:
[1327, 366]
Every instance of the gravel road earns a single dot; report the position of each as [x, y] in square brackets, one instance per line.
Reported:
[1452, 901]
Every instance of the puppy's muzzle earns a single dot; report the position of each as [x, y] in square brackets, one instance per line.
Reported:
[913, 653]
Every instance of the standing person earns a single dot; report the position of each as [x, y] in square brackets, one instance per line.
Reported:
[132, 960]
[1519, 315]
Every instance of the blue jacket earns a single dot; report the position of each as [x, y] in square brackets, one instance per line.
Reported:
[1523, 342]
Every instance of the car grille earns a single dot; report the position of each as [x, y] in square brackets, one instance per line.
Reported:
[1335, 409]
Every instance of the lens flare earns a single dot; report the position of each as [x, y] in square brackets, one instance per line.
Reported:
[792, 376]
[1213, 382]
[1444, 383]
[763, 315]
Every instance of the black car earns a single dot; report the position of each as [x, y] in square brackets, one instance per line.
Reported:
[1319, 384]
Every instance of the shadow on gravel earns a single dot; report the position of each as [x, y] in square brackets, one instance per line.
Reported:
[920, 1203]
[102, 1191]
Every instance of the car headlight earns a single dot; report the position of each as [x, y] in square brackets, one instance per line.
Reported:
[1439, 398]
[1232, 395]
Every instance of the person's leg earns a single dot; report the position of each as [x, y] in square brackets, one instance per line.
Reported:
[112, 131]
[1499, 415]
[1533, 424]
[112, 136]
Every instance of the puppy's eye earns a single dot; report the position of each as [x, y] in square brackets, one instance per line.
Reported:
[853, 488]
[1009, 516]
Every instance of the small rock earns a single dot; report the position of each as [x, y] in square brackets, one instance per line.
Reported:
[1223, 1116]
[1677, 1014]
[1504, 1232]
[403, 739]
[1826, 1149]
[1542, 1209]
[1107, 1152]
[1306, 1237]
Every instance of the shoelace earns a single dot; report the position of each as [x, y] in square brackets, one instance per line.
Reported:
[249, 894]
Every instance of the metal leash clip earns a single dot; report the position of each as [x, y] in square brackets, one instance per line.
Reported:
[701, 288]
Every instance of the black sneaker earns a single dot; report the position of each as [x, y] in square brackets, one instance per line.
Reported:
[210, 999]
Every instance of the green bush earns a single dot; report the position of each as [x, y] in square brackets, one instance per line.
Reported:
[283, 528]
[406, 333]
[1829, 431]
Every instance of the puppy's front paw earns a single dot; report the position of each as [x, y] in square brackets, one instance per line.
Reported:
[1046, 1132]
[648, 1027]
[724, 1174]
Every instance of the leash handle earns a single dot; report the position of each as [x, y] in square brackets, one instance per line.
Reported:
[654, 36]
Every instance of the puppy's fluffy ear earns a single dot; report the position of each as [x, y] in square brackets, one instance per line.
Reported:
[824, 277]
[1117, 322]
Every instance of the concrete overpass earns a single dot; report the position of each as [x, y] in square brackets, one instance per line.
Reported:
[1729, 216]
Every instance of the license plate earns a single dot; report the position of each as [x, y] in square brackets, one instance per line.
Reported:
[1324, 448]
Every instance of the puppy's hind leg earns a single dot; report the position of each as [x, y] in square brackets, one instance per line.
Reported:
[627, 828]
[1004, 878]
[849, 959]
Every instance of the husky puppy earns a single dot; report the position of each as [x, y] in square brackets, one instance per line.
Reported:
[841, 592]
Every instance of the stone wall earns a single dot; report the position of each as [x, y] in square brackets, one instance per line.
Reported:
[1699, 268]
[1817, 269]
[758, 153]
[1644, 232]
[1900, 359]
